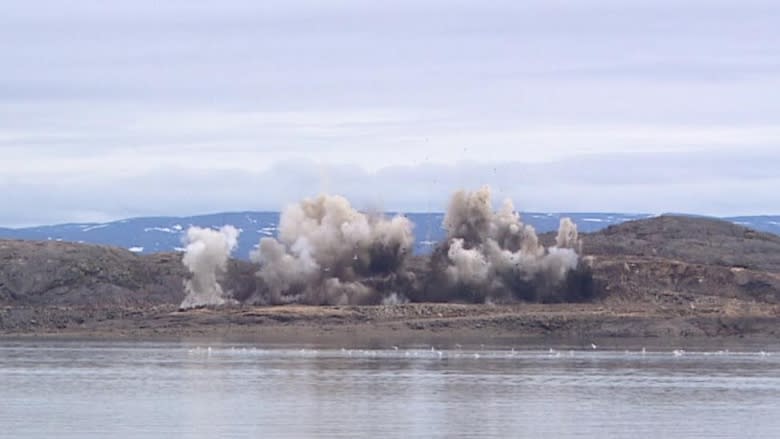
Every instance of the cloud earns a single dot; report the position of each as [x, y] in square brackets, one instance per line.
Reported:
[714, 183]
[642, 105]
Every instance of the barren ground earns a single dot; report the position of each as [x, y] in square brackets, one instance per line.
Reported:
[383, 326]
[666, 277]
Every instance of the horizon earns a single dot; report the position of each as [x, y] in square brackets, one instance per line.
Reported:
[389, 212]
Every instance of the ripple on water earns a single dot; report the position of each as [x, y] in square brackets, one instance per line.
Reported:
[123, 389]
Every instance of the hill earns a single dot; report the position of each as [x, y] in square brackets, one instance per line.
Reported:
[164, 234]
[688, 257]
[48, 273]
[656, 269]
[695, 240]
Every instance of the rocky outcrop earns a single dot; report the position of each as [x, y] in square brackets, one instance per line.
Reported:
[693, 240]
[688, 257]
[647, 260]
[60, 273]
[640, 278]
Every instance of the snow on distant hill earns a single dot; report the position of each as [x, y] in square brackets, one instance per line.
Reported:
[162, 234]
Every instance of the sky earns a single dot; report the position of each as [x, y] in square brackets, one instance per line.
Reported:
[118, 109]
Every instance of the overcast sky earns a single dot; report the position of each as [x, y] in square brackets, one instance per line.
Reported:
[116, 109]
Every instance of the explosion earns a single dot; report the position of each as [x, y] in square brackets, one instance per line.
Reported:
[206, 256]
[492, 256]
[329, 253]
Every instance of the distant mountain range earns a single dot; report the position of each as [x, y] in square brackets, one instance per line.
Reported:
[163, 234]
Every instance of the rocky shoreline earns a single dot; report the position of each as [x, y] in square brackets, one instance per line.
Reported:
[402, 324]
[666, 277]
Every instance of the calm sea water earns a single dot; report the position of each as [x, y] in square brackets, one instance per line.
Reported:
[72, 389]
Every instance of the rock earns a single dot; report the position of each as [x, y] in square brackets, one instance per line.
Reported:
[657, 260]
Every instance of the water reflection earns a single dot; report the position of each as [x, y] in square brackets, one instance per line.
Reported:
[119, 389]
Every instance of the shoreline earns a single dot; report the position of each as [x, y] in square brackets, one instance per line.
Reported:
[426, 324]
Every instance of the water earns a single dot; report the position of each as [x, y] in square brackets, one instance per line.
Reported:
[70, 389]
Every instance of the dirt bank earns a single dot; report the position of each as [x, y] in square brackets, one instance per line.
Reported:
[406, 324]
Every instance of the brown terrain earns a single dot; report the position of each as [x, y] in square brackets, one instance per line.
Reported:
[663, 277]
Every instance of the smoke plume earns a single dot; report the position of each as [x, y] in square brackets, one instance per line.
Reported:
[492, 256]
[329, 253]
[206, 256]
